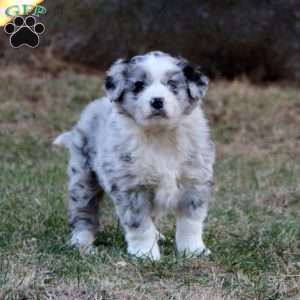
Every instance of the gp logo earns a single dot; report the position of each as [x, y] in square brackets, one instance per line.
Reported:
[24, 31]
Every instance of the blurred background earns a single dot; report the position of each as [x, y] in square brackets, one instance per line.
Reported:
[259, 39]
[250, 51]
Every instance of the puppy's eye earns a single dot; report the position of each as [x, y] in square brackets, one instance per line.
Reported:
[138, 86]
[172, 84]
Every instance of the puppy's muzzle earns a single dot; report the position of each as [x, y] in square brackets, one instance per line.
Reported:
[157, 106]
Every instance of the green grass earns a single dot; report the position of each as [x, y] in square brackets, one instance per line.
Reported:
[253, 227]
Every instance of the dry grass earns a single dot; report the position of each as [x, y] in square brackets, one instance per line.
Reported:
[256, 120]
[253, 226]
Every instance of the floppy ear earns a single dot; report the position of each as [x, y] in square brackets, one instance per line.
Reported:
[197, 82]
[115, 80]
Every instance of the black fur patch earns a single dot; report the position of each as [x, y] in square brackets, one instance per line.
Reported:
[138, 87]
[193, 74]
[196, 203]
[81, 185]
[189, 94]
[74, 199]
[190, 73]
[114, 188]
[109, 84]
[134, 224]
[127, 61]
[126, 157]
[74, 170]
[121, 97]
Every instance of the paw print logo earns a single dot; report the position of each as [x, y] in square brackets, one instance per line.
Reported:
[24, 32]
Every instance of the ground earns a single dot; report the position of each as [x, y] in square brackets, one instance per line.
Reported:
[253, 226]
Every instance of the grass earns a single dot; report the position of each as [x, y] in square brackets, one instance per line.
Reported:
[253, 227]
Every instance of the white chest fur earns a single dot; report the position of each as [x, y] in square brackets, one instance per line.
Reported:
[159, 164]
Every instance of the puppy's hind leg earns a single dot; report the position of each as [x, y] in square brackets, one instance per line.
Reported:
[84, 196]
[83, 210]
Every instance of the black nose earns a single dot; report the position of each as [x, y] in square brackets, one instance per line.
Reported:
[157, 103]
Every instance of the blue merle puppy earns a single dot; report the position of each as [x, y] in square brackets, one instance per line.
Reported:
[147, 145]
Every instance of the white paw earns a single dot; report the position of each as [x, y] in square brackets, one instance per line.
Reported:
[83, 240]
[191, 247]
[207, 252]
[189, 236]
[160, 236]
[144, 250]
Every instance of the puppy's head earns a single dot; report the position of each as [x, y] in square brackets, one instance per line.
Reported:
[155, 89]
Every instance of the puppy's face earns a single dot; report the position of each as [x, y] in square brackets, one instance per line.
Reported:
[155, 89]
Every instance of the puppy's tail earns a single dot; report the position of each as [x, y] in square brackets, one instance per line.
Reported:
[63, 139]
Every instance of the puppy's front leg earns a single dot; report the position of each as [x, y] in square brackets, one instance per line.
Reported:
[133, 209]
[191, 213]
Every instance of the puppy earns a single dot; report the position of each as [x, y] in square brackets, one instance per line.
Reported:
[147, 145]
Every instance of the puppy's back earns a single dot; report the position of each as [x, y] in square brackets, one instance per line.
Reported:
[92, 119]
[94, 116]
